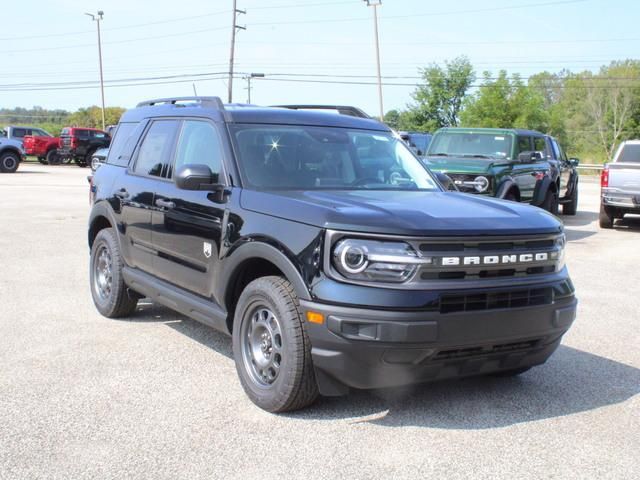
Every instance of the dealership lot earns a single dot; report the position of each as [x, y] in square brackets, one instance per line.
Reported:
[157, 395]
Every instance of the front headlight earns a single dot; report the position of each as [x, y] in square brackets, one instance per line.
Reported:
[371, 260]
[558, 255]
[481, 184]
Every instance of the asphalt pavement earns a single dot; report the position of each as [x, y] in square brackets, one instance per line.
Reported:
[157, 396]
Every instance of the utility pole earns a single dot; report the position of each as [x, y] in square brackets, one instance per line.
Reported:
[248, 79]
[98, 18]
[234, 28]
[375, 4]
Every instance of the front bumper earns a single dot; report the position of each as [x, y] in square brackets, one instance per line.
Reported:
[362, 348]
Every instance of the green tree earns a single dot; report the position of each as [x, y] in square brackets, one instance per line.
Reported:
[438, 101]
[92, 117]
[392, 118]
[505, 103]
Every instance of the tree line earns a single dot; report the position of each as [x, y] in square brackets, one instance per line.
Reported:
[590, 113]
[54, 121]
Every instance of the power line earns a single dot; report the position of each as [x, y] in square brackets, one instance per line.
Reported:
[130, 40]
[414, 15]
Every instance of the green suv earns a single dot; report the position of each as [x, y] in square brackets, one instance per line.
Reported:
[518, 165]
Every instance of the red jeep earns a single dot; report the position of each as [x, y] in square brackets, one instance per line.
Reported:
[43, 147]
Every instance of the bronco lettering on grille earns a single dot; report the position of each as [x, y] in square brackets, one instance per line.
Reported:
[496, 259]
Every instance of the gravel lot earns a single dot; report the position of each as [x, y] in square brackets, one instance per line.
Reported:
[157, 396]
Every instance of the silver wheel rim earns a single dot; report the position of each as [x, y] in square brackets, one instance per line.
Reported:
[103, 273]
[261, 345]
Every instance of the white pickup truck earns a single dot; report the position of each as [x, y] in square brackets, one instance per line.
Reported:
[620, 182]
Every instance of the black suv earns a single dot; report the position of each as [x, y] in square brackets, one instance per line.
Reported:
[332, 256]
[79, 144]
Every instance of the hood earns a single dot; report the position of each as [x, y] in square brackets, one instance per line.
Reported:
[463, 164]
[403, 213]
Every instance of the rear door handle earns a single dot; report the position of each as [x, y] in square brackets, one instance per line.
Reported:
[122, 194]
[165, 204]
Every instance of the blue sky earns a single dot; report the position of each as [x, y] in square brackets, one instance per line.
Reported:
[53, 42]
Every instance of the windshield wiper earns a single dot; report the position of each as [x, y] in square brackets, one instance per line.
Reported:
[477, 155]
[439, 154]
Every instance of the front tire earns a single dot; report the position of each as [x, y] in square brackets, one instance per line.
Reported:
[42, 160]
[271, 347]
[109, 292]
[9, 162]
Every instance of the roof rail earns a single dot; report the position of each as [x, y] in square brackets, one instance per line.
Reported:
[341, 109]
[211, 102]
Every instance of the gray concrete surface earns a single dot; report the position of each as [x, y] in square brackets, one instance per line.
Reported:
[157, 396]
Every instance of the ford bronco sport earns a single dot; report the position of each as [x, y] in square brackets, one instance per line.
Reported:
[324, 247]
[518, 165]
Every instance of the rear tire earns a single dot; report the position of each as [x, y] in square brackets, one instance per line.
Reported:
[571, 207]
[271, 347]
[606, 216]
[53, 158]
[9, 162]
[110, 294]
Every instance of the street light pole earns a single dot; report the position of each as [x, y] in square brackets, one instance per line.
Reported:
[248, 79]
[375, 4]
[98, 18]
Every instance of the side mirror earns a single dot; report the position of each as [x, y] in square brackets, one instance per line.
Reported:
[526, 157]
[196, 177]
[446, 181]
[574, 162]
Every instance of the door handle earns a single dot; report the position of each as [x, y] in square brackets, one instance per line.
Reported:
[122, 194]
[165, 204]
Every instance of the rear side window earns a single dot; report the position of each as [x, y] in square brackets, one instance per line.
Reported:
[19, 132]
[82, 133]
[630, 153]
[199, 143]
[156, 148]
[121, 143]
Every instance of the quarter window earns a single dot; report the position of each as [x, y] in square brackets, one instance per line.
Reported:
[155, 150]
[199, 144]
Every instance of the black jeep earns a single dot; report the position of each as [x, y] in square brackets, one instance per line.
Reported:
[333, 257]
[79, 144]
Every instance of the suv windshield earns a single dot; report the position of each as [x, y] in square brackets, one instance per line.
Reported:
[471, 144]
[630, 153]
[316, 158]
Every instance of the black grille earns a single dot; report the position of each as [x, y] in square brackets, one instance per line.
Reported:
[479, 351]
[471, 247]
[496, 300]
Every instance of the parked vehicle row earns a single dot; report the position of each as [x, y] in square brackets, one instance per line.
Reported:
[75, 144]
